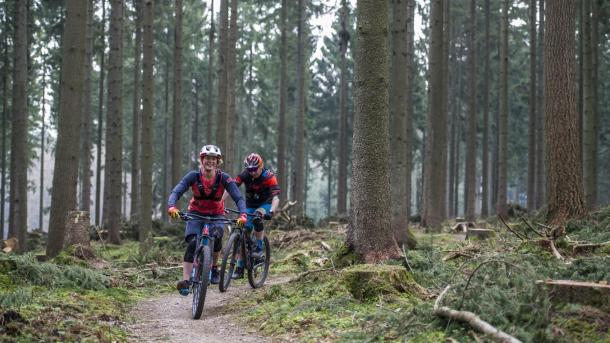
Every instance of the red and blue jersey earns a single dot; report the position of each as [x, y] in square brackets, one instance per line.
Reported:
[261, 190]
[207, 194]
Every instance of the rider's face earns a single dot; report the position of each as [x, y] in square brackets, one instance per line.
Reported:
[256, 173]
[209, 163]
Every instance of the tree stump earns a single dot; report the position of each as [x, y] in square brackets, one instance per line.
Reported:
[77, 234]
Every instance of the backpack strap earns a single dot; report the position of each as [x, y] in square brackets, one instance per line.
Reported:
[202, 195]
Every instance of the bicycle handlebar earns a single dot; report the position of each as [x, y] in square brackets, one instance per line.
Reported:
[191, 216]
[227, 210]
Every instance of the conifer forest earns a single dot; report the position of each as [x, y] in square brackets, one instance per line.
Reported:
[305, 171]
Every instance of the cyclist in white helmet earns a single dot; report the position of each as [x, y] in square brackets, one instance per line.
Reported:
[208, 185]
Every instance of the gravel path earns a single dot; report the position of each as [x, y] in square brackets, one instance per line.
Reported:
[168, 318]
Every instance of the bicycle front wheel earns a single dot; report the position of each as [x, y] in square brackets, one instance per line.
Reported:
[201, 281]
[231, 250]
[259, 267]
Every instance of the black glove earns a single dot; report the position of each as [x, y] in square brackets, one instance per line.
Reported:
[268, 215]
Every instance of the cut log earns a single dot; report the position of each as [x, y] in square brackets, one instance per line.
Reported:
[479, 233]
[580, 292]
[11, 244]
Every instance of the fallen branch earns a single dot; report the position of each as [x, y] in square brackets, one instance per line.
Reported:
[531, 227]
[588, 246]
[580, 292]
[520, 236]
[555, 251]
[471, 319]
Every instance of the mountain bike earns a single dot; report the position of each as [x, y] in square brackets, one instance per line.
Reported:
[202, 264]
[241, 243]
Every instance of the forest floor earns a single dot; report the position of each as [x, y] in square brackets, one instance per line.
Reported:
[167, 318]
[317, 293]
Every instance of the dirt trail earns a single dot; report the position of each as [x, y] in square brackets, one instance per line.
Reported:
[168, 318]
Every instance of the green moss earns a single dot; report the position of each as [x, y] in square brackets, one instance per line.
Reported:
[367, 282]
[429, 337]
[581, 331]
[344, 256]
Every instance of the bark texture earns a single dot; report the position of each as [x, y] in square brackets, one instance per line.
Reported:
[65, 174]
[564, 182]
[87, 134]
[232, 118]
[299, 165]
[343, 153]
[436, 152]
[590, 120]
[100, 122]
[282, 171]
[471, 148]
[135, 128]
[210, 101]
[501, 205]
[540, 130]
[221, 105]
[148, 97]
[485, 190]
[177, 99]
[399, 123]
[370, 233]
[531, 132]
[18, 211]
[114, 126]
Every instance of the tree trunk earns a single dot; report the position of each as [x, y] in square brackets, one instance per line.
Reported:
[177, 100]
[399, 117]
[531, 132]
[501, 205]
[282, 170]
[18, 212]
[564, 183]
[470, 176]
[447, 25]
[434, 212]
[343, 154]
[221, 107]
[42, 151]
[232, 118]
[540, 130]
[590, 120]
[486, 142]
[148, 98]
[5, 124]
[300, 123]
[87, 133]
[210, 99]
[114, 127]
[65, 174]
[166, 174]
[370, 233]
[100, 122]
[135, 129]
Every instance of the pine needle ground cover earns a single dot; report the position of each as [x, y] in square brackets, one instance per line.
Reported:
[499, 279]
[68, 299]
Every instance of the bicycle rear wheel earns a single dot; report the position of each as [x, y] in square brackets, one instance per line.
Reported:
[201, 280]
[231, 250]
[259, 268]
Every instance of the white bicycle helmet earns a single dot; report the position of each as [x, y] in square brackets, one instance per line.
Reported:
[210, 150]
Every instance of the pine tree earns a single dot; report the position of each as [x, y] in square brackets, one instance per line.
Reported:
[369, 231]
[65, 174]
[564, 183]
[114, 127]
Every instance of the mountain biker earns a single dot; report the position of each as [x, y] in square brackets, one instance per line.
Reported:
[262, 199]
[208, 185]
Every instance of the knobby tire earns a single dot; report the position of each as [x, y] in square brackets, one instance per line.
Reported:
[257, 273]
[228, 261]
[200, 289]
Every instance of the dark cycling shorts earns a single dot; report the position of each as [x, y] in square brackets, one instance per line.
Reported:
[194, 226]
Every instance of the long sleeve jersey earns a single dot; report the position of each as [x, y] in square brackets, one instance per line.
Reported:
[207, 194]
